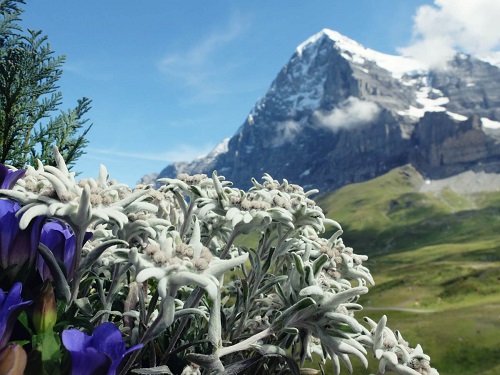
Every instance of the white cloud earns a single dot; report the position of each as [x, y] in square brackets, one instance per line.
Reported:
[181, 153]
[286, 132]
[470, 26]
[351, 112]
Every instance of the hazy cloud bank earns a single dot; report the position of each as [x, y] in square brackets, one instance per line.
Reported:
[470, 26]
[351, 112]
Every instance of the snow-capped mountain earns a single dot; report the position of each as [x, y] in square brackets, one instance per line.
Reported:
[339, 113]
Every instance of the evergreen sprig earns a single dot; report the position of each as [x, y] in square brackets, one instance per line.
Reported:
[29, 96]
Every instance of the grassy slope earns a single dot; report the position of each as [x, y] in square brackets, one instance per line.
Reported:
[433, 251]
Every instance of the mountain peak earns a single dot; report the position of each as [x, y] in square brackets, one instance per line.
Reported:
[334, 36]
[359, 54]
[339, 112]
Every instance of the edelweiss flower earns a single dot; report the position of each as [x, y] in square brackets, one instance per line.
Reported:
[293, 199]
[174, 264]
[52, 191]
[325, 315]
[342, 263]
[394, 353]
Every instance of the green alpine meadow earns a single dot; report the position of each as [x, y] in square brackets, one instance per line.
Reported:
[436, 257]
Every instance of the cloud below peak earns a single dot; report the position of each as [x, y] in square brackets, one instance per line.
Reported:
[439, 30]
[351, 112]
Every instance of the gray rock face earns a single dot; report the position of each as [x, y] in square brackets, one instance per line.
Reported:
[472, 86]
[443, 147]
[339, 113]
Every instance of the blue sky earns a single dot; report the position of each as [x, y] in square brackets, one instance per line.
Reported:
[171, 79]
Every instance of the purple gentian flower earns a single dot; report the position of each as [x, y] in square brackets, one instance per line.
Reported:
[61, 240]
[8, 177]
[10, 307]
[99, 354]
[16, 246]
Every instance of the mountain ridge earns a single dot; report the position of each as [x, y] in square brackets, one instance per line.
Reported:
[339, 113]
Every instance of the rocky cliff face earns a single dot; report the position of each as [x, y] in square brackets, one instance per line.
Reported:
[339, 113]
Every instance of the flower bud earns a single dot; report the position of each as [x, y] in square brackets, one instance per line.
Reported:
[45, 311]
[13, 360]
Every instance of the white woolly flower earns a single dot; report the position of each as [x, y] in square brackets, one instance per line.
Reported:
[52, 191]
[174, 264]
[394, 353]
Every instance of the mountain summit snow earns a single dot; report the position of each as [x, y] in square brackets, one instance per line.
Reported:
[339, 113]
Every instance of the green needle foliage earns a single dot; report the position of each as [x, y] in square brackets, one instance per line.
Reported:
[29, 96]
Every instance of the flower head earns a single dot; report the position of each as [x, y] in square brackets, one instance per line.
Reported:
[394, 353]
[8, 177]
[13, 360]
[11, 304]
[175, 263]
[100, 353]
[17, 246]
[60, 239]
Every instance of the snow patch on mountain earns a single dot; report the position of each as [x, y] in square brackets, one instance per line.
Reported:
[221, 148]
[358, 54]
[490, 124]
[456, 116]
[430, 100]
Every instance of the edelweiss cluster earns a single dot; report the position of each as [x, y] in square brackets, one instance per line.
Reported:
[342, 262]
[394, 352]
[52, 191]
[292, 293]
[183, 254]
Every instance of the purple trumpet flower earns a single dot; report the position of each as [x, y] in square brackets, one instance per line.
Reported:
[60, 239]
[16, 246]
[10, 307]
[8, 177]
[99, 354]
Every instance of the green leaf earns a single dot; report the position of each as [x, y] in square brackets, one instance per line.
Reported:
[269, 260]
[92, 257]
[85, 306]
[318, 264]
[236, 368]
[62, 290]
[276, 351]
[244, 285]
[49, 346]
[23, 318]
[291, 330]
[299, 264]
[153, 370]
[302, 304]
[270, 284]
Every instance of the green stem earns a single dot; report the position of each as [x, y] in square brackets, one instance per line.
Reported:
[187, 217]
[194, 299]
